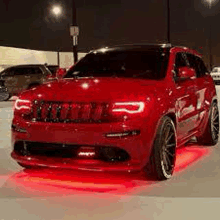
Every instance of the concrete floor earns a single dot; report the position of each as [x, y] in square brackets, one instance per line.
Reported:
[192, 193]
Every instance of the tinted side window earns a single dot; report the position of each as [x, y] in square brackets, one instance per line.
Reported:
[9, 72]
[20, 71]
[203, 70]
[197, 64]
[193, 63]
[180, 61]
[34, 70]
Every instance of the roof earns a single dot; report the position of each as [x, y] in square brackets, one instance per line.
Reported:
[133, 47]
[21, 65]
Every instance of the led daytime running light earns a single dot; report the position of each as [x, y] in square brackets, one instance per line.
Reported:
[140, 109]
[19, 102]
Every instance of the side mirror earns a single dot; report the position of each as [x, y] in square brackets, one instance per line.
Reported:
[60, 73]
[186, 73]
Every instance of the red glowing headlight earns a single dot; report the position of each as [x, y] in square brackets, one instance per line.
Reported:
[128, 107]
[23, 105]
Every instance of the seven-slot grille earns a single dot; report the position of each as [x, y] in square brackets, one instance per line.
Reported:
[69, 112]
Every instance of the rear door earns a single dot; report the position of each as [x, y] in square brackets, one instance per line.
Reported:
[204, 83]
[186, 100]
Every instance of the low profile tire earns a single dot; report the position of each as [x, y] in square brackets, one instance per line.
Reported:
[211, 133]
[163, 156]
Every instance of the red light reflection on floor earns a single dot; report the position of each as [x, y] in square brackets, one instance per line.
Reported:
[46, 182]
[187, 156]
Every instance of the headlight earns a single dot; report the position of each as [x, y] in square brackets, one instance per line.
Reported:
[23, 106]
[128, 107]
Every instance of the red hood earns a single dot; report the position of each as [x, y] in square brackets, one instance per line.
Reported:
[94, 89]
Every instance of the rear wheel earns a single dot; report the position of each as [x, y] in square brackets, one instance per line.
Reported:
[211, 133]
[163, 156]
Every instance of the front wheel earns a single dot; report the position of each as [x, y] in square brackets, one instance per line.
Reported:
[162, 161]
[211, 133]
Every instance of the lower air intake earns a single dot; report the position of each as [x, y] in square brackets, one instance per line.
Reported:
[53, 150]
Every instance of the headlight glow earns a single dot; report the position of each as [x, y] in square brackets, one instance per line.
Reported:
[128, 107]
[22, 104]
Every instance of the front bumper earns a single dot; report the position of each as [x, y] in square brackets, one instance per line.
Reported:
[137, 146]
[80, 164]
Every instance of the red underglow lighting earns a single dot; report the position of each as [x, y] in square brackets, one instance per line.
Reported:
[187, 156]
[51, 182]
[62, 182]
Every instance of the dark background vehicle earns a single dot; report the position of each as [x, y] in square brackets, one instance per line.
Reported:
[4, 95]
[215, 73]
[53, 69]
[21, 77]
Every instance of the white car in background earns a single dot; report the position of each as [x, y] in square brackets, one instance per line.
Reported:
[216, 74]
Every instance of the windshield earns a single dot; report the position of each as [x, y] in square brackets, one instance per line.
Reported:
[135, 64]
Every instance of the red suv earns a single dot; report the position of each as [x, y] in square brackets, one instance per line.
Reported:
[124, 108]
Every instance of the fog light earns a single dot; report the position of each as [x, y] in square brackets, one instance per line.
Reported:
[86, 152]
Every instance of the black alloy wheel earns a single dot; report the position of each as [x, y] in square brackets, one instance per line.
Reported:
[214, 123]
[168, 150]
[211, 133]
[163, 156]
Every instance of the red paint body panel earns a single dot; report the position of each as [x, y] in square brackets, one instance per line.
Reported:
[186, 102]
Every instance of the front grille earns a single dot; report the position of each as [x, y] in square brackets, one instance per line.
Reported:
[68, 112]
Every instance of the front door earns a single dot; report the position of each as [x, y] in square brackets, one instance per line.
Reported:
[186, 100]
[203, 81]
